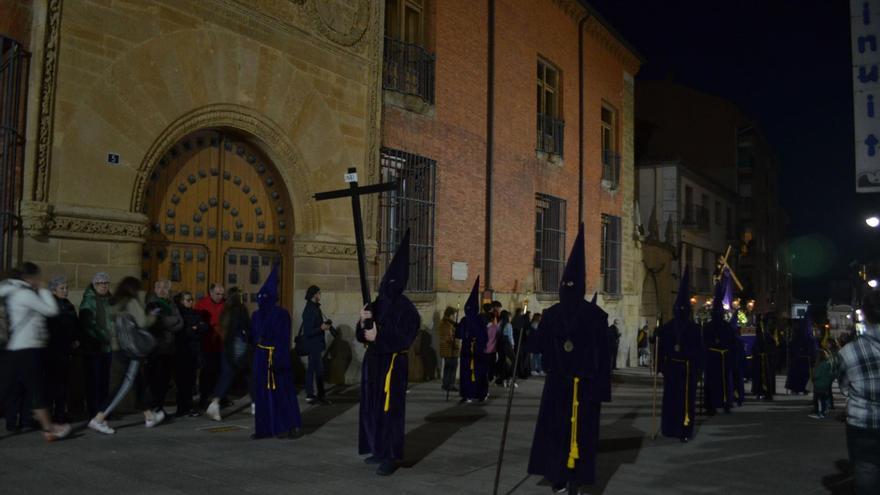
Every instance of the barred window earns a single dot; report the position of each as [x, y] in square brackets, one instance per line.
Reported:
[410, 207]
[14, 65]
[549, 242]
[609, 263]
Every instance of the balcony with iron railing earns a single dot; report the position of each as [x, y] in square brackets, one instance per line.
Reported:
[408, 68]
[696, 217]
[550, 134]
[610, 169]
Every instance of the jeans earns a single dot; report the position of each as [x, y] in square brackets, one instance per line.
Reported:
[537, 361]
[212, 363]
[864, 453]
[315, 375]
[97, 380]
[133, 378]
[450, 365]
[228, 372]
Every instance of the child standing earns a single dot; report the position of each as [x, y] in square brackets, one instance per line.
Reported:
[823, 377]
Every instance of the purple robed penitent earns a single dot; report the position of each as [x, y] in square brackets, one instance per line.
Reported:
[473, 367]
[680, 355]
[803, 353]
[385, 367]
[719, 344]
[573, 340]
[277, 411]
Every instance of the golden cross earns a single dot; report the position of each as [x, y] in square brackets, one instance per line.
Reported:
[722, 264]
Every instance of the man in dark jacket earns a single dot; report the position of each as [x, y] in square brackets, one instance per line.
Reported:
[313, 328]
[63, 339]
[168, 323]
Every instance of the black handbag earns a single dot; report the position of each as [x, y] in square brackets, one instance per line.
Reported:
[134, 341]
[299, 343]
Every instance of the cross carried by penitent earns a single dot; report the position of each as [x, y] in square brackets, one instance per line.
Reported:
[722, 265]
[355, 192]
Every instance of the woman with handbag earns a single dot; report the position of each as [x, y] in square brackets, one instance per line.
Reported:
[310, 342]
[135, 344]
[236, 326]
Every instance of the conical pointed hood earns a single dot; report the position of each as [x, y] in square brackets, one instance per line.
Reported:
[472, 305]
[595, 297]
[573, 287]
[681, 309]
[728, 289]
[397, 274]
[268, 293]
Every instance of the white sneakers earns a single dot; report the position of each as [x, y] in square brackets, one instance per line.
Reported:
[158, 417]
[213, 411]
[101, 427]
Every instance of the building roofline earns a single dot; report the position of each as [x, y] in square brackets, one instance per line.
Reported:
[614, 32]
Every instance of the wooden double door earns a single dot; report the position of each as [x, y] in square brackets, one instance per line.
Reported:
[219, 213]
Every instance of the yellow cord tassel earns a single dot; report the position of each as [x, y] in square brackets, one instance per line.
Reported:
[573, 452]
[473, 374]
[388, 383]
[270, 373]
[687, 384]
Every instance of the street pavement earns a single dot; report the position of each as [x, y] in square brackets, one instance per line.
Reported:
[761, 448]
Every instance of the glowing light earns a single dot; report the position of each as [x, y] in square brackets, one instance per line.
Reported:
[872, 222]
[872, 283]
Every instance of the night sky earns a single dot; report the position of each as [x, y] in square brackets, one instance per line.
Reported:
[786, 63]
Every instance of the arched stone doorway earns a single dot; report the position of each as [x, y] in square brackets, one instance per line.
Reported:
[219, 212]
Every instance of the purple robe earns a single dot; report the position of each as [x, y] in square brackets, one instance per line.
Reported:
[679, 355]
[473, 365]
[382, 429]
[277, 410]
[719, 343]
[588, 360]
[803, 350]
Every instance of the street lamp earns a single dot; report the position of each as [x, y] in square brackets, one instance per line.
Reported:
[873, 222]
[872, 283]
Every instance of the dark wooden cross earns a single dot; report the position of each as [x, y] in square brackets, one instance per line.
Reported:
[355, 192]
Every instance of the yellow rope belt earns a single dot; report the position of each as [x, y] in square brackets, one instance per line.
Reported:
[573, 452]
[388, 383]
[473, 374]
[687, 383]
[270, 373]
[723, 370]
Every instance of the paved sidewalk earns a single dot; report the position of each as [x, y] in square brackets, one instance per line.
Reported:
[762, 448]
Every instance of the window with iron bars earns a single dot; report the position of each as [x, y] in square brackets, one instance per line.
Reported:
[549, 242]
[411, 207]
[609, 263]
[14, 64]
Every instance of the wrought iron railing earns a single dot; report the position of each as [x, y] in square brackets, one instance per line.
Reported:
[14, 63]
[408, 68]
[696, 217]
[550, 134]
[611, 168]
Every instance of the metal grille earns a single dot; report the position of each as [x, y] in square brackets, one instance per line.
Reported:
[549, 241]
[550, 134]
[611, 168]
[610, 255]
[408, 68]
[410, 207]
[14, 62]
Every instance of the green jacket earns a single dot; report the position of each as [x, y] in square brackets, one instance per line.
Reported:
[96, 320]
[823, 377]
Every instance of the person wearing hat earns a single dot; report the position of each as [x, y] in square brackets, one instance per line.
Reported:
[313, 327]
[96, 321]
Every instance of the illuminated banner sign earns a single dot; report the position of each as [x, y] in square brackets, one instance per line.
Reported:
[865, 29]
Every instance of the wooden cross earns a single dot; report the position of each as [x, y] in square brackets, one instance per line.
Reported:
[355, 192]
[722, 264]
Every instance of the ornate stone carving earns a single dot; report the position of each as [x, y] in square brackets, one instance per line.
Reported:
[41, 219]
[375, 110]
[342, 22]
[46, 115]
[237, 117]
[325, 250]
[36, 217]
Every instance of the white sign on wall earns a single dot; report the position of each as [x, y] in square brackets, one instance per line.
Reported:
[865, 29]
[459, 270]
